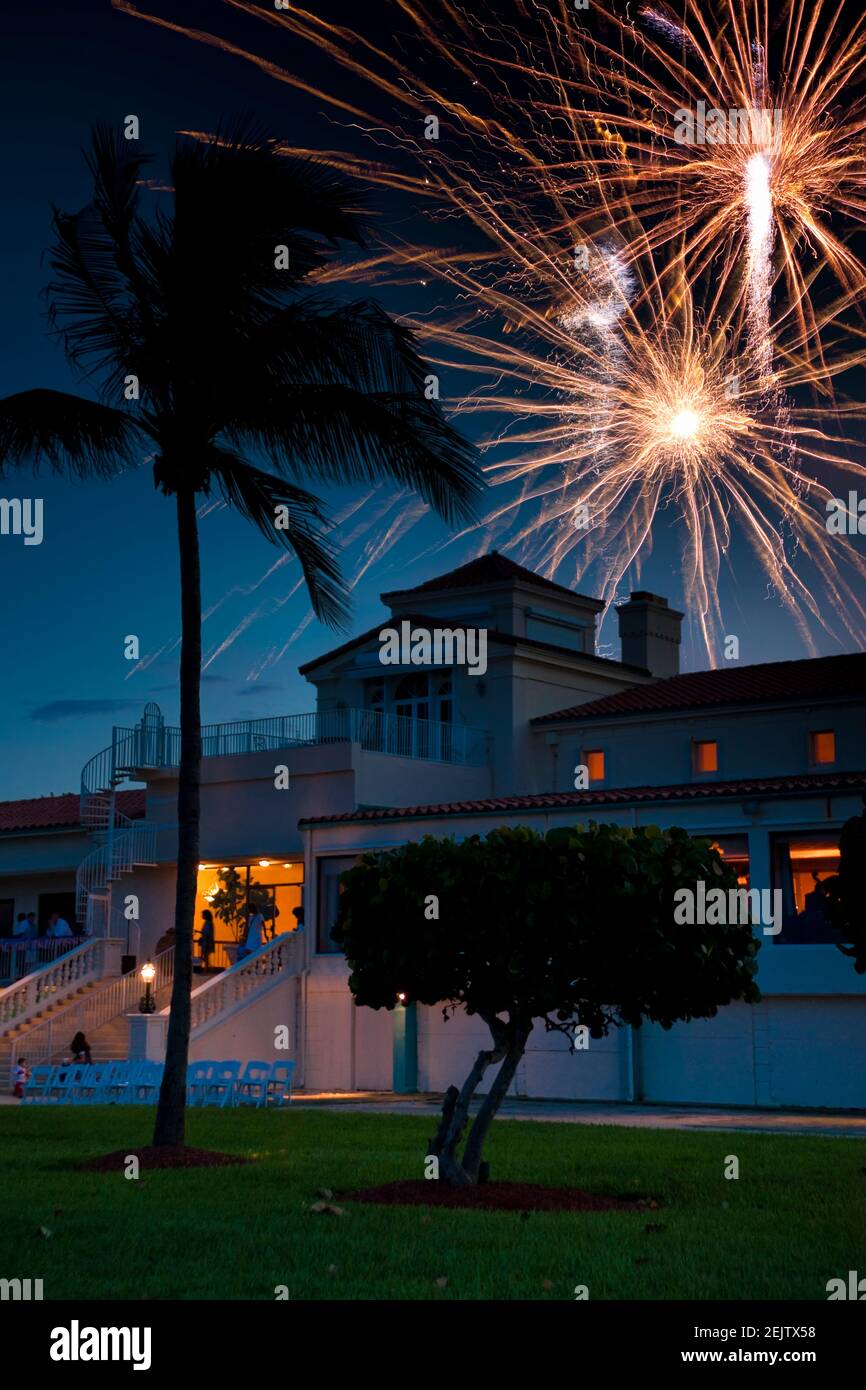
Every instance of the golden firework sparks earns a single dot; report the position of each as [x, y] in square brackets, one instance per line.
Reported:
[633, 314]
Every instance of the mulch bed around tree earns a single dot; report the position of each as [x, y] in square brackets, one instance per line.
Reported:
[493, 1196]
[150, 1157]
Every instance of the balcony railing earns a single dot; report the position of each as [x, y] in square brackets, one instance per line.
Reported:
[20, 957]
[375, 731]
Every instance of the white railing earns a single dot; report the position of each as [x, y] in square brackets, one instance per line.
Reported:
[283, 956]
[123, 843]
[122, 996]
[23, 955]
[375, 730]
[133, 844]
[75, 968]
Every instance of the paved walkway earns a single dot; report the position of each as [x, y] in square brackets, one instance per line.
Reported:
[841, 1124]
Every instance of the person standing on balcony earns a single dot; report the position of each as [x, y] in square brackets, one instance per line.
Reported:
[255, 937]
[206, 940]
[58, 926]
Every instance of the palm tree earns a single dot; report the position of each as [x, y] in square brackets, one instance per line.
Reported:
[210, 350]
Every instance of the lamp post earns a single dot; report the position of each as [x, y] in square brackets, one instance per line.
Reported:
[147, 972]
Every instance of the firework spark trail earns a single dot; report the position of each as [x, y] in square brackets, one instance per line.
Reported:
[759, 204]
[616, 397]
[373, 550]
[812, 85]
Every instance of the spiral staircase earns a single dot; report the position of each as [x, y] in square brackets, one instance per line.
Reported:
[120, 843]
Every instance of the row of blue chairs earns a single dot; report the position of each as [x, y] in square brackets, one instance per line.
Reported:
[102, 1083]
[137, 1083]
[240, 1083]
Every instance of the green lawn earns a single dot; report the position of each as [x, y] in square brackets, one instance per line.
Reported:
[793, 1220]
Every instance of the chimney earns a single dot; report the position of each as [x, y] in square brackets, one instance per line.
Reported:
[649, 634]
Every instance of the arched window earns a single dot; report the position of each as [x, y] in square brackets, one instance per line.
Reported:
[412, 696]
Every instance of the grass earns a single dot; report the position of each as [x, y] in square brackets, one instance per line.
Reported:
[786, 1226]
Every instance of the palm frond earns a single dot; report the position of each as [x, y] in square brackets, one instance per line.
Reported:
[72, 434]
[339, 435]
[116, 167]
[320, 341]
[99, 292]
[237, 200]
[257, 495]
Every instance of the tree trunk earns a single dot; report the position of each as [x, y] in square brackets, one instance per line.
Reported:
[509, 1046]
[171, 1110]
[455, 1112]
[494, 1098]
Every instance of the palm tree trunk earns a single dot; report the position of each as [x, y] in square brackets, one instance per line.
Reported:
[171, 1111]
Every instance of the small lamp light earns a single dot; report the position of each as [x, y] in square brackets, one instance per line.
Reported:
[401, 998]
[148, 974]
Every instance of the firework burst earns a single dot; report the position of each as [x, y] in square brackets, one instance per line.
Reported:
[630, 311]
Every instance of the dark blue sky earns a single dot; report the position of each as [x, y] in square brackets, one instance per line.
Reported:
[107, 566]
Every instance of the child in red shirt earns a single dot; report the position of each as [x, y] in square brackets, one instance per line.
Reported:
[22, 1076]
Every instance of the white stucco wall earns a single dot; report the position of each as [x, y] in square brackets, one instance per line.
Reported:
[347, 1048]
[657, 751]
[250, 1034]
[805, 1045]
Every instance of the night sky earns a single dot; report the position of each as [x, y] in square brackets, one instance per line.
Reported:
[107, 566]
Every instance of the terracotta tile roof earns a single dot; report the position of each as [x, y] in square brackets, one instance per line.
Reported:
[814, 782]
[817, 678]
[54, 812]
[494, 568]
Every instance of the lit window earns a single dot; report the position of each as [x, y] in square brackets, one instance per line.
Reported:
[595, 765]
[706, 756]
[734, 849]
[822, 747]
[802, 864]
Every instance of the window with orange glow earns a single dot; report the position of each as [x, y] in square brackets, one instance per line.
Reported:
[823, 747]
[595, 765]
[283, 881]
[734, 849]
[803, 863]
[706, 756]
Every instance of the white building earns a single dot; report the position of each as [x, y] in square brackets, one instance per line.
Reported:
[768, 760]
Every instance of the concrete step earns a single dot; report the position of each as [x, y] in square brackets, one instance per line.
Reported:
[48, 1010]
[108, 1043]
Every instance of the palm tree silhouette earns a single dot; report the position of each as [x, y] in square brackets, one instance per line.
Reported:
[209, 350]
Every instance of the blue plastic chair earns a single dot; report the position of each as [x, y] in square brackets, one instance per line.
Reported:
[220, 1086]
[35, 1091]
[252, 1086]
[197, 1076]
[279, 1086]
